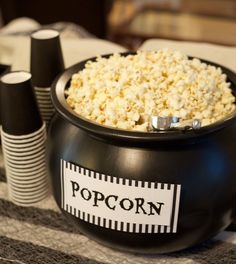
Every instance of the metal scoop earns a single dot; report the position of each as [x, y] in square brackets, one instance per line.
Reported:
[159, 123]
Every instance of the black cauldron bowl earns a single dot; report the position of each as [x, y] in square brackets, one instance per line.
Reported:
[203, 162]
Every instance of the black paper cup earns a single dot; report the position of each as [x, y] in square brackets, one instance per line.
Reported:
[47, 116]
[18, 106]
[28, 193]
[24, 158]
[24, 146]
[43, 91]
[26, 182]
[23, 153]
[28, 200]
[22, 143]
[27, 166]
[46, 60]
[25, 138]
[11, 148]
[34, 183]
[24, 161]
[46, 103]
[25, 150]
[45, 106]
[44, 109]
[22, 174]
[4, 69]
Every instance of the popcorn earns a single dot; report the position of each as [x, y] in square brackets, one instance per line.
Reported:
[125, 91]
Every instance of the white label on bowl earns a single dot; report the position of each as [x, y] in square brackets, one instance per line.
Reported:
[118, 203]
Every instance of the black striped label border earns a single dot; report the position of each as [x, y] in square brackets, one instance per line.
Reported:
[119, 225]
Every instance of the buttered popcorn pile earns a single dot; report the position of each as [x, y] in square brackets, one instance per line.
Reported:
[124, 92]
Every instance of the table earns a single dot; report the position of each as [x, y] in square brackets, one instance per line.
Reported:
[41, 234]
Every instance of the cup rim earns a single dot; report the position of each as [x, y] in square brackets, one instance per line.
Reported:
[28, 195]
[45, 34]
[21, 180]
[26, 162]
[22, 154]
[24, 76]
[24, 136]
[47, 114]
[26, 143]
[42, 89]
[25, 172]
[23, 204]
[65, 111]
[17, 141]
[43, 94]
[26, 166]
[25, 149]
[45, 101]
[25, 158]
[46, 109]
[29, 200]
[23, 146]
[35, 190]
[27, 182]
[29, 188]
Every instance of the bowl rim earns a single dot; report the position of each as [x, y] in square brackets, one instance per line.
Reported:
[66, 112]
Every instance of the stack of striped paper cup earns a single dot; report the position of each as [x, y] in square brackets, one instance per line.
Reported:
[23, 140]
[24, 158]
[45, 103]
[46, 62]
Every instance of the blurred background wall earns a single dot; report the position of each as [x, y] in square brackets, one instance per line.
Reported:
[91, 14]
[130, 22]
[133, 21]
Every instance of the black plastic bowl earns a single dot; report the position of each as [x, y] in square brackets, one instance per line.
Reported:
[201, 162]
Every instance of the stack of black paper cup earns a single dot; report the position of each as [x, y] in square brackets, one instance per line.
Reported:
[23, 139]
[46, 62]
